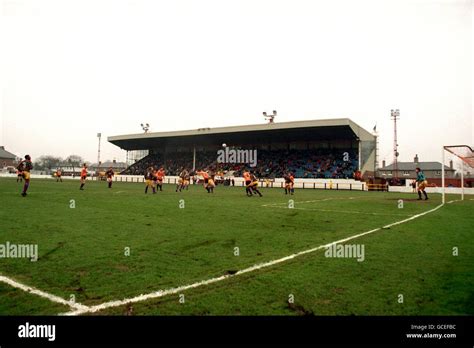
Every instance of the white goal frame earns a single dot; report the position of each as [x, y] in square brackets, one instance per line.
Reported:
[469, 160]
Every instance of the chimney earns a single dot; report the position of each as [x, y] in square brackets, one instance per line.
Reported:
[451, 164]
[416, 159]
[383, 164]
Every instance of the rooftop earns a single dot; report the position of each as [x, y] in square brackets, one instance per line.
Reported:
[5, 154]
[407, 166]
[319, 129]
[108, 164]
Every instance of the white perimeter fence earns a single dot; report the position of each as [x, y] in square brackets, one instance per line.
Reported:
[327, 184]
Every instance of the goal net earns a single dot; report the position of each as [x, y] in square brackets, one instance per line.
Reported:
[466, 155]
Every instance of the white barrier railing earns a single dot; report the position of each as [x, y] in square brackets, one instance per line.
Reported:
[335, 184]
[327, 184]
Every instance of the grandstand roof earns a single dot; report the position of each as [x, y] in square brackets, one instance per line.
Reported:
[320, 129]
[4, 154]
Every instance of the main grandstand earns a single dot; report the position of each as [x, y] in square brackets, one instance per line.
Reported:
[329, 148]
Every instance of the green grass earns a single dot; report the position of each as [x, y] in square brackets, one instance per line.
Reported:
[81, 250]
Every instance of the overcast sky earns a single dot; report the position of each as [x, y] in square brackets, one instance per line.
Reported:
[71, 69]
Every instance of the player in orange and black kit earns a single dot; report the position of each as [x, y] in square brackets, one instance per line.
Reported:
[254, 184]
[110, 175]
[289, 181]
[149, 178]
[292, 183]
[25, 167]
[205, 176]
[83, 176]
[187, 180]
[211, 183]
[160, 176]
[58, 175]
[248, 182]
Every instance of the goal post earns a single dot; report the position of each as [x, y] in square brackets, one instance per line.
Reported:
[466, 155]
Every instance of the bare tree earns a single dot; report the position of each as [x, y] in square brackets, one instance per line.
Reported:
[48, 162]
[468, 171]
[74, 161]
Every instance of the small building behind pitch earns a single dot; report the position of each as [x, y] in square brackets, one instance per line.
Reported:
[407, 170]
[7, 159]
[103, 166]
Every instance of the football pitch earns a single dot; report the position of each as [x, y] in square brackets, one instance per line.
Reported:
[120, 252]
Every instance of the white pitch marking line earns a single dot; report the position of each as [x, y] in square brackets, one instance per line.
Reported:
[344, 211]
[31, 191]
[455, 200]
[119, 192]
[161, 293]
[51, 297]
[313, 201]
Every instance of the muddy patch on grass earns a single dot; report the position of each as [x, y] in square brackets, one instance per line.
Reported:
[299, 309]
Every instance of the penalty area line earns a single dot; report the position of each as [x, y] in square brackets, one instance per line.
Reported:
[455, 200]
[51, 297]
[340, 211]
[162, 293]
[313, 201]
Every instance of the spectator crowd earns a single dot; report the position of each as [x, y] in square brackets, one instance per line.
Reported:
[320, 163]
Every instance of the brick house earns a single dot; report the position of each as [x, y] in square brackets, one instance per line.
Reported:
[6, 158]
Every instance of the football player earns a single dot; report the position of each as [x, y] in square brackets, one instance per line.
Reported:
[422, 183]
[25, 167]
[149, 178]
[254, 184]
[248, 182]
[110, 175]
[83, 176]
[160, 176]
[59, 173]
